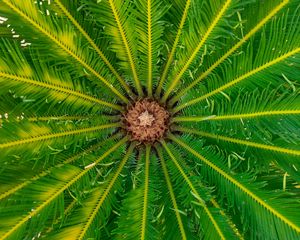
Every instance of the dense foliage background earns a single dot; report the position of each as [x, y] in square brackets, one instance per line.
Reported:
[228, 72]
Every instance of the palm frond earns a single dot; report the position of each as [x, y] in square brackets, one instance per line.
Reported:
[64, 39]
[68, 8]
[241, 78]
[137, 214]
[36, 176]
[63, 178]
[104, 195]
[150, 31]
[242, 142]
[115, 15]
[146, 192]
[46, 136]
[234, 48]
[286, 157]
[174, 46]
[16, 70]
[259, 66]
[172, 195]
[265, 114]
[67, 211]
[284, 219]
[209, 214]
[219, 12]
[282, 101]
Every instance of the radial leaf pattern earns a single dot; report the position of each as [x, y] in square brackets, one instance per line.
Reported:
[149, 119]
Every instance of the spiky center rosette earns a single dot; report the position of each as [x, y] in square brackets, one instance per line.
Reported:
[146, 121]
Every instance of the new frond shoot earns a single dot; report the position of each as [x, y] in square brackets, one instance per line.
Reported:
[146, 121]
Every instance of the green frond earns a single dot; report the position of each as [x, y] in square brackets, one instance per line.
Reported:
[43, 144]
[172, 195]
[34, 178]
[224, 218]
[174, 46]
[136, 220]
[237, 116]
[62, 178]
[115, 15]
[216, 227]
[242, 142]
[50, 197]
[240, 78]
[257, 114]
[234, 48]
[214, 21]
[64, 39]
[66, 118]
[124, 35]
[48, 136]
[271, 210]
[150, 31]
[268, 103]
[65, 91]
[287, 158]
[92, 220]
[17, 71]
[146, 192]
[104, 195]
[67, 211]
[280, 30]
[68, 8]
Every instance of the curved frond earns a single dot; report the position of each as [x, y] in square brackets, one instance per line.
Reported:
[240, 78]
[257, 115]
[116, 16]
[48, 171]
[146, 192]
[65, 118]
[217, 228]
[257, 67]
[237, 116]
[17, 71]
[34, 82]
[242, 142]
[150, 31]
[172, 52]
[31, 13]
[245, 38]
[214, 22]
[45, 137]
[172, 195]
[137, 214]
[66, 177]
[77, 24]
[104, 195]
[284, 221]
[114, 10]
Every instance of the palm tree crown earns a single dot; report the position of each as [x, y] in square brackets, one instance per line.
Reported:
[149, 119]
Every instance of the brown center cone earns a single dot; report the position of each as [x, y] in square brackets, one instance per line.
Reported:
[146, 121]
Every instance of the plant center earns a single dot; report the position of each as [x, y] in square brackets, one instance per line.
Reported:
[146, 121]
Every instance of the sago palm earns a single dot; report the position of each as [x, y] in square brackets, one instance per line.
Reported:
[149, 119]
